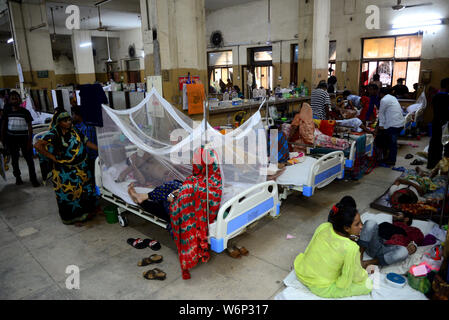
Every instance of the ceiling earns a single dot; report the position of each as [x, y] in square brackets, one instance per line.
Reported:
[220, 4]
[115, 14]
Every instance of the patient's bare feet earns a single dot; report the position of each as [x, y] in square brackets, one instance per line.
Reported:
[136, 197]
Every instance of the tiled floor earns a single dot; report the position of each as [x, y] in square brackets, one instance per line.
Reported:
[36, 248]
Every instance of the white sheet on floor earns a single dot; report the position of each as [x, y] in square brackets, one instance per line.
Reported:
[297, 174]
[381, 291]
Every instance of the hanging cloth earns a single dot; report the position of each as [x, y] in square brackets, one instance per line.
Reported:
[188, 212]
[92, 97]
[195, 98]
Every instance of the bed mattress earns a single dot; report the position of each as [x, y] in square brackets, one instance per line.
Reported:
[298, 174]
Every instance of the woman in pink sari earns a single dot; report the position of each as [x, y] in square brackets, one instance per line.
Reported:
[302, 129]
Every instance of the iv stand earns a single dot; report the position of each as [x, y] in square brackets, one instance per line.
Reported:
[205, 108]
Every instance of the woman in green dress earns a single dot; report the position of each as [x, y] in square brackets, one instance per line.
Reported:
[331, 265]
[66, 148]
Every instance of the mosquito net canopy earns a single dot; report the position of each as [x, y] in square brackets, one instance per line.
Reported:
[153, 143]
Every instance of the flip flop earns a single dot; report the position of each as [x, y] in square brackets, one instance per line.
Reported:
[383, 165]
[243, 251]
[417, 162]
[233, 253]
[155, 274]
[154, 245]
[408, 156]
[142, 244]
[154, 258]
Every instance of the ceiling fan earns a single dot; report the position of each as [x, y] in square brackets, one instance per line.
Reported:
[399, 6]
[100, 27]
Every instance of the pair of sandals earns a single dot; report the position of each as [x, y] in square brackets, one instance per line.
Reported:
[153, 274]
[237, 252]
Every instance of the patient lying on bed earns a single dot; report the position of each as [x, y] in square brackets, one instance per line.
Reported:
[331, 265]
[157, 201]
[146, 170]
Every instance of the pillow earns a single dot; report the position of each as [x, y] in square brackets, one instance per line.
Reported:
[327, 127]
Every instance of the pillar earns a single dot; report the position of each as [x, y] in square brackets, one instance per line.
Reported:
[83, 57]
[313, 40]
[33, 45]
[179, 26]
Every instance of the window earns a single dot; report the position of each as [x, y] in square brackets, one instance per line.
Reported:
[261, 63]
[392, 58]
[220, 68]
[263, 56]
[332, 57]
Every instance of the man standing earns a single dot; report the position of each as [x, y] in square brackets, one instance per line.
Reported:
[17, 134]
[400, 90]
[392, 122]
[320, 102]
[440, 103]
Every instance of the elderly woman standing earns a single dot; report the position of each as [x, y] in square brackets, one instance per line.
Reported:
[66, 148]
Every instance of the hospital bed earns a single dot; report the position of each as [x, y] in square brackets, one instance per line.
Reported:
[349, 153]
[314, 172]
[234, 216]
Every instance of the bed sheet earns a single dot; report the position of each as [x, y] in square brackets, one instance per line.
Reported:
[381, 291]
[120, 189]
[297, 175]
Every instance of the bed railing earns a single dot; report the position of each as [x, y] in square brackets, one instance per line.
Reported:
[242, 210]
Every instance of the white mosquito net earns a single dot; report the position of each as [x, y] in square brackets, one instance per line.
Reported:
[153, 143]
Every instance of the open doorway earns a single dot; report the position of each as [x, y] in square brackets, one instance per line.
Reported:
[133, 70]
[264, 77]
[260, 64]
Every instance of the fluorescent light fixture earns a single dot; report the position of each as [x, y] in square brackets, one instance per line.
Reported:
[413, 24]
[10, 40]
[85, 44]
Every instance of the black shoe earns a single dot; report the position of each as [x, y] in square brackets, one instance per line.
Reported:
[409, 156]
[417, 162]
[19, 181]
[35, 183]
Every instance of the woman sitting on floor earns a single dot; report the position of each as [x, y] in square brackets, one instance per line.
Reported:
[331, 265]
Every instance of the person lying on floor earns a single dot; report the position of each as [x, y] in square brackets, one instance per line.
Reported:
[331, 265]
[389, 243]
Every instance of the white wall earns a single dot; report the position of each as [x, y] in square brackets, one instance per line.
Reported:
[64, 65]
[348, 33]
[8, 65]
[247, 24]
[101, 48]
[127, 38]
